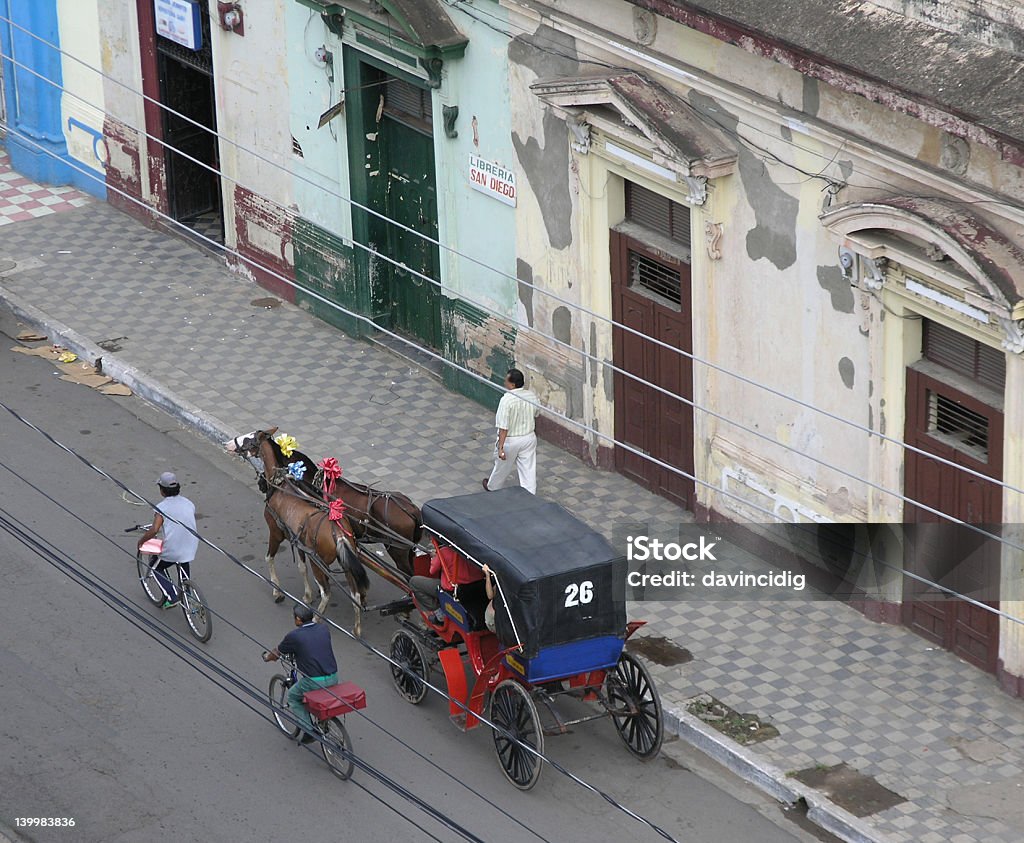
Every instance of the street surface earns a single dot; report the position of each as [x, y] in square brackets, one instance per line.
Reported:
[104, 723]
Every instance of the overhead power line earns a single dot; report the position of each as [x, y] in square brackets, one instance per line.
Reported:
[591, 358]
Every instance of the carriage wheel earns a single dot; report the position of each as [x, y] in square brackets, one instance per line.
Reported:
[513, 709]
[631, 688]
[407, 652]
[338, 759]
[148, 580]
[278, 694]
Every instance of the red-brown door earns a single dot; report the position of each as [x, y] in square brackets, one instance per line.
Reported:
[651, 295]
[957, 427]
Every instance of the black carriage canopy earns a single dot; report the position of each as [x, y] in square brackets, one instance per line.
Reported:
[563, 581]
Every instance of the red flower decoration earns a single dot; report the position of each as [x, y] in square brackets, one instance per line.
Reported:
[332, 473]
[336, 511]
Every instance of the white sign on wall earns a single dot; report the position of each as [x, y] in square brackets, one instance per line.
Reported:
[178, 20]
[492, 179]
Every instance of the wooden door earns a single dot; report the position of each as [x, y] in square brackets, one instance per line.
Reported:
[651, 295]
[963, 430]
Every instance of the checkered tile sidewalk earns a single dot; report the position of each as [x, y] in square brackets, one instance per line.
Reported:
[21, 199]
[838, 687]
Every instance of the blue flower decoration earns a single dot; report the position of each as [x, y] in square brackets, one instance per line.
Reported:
[296, 470]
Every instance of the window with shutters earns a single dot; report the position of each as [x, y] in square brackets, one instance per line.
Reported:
[658, 214]
[961, 354]
[655, 277]
[957, 426]
[408, 103]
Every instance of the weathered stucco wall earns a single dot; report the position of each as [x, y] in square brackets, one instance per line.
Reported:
[775, 308]
[251, 85]
[82, 100]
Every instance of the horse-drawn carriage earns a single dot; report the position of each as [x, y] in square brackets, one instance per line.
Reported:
[559, 626]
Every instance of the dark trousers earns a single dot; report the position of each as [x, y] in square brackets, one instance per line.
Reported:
[167, 585]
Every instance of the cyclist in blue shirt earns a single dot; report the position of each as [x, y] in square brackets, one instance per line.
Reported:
[176, 516]
[310, 644]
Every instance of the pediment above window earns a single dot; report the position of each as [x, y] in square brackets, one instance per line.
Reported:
[642, 115]
[422, 27]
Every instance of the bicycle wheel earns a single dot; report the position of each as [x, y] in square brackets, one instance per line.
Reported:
[148, 580]
[278, 694]
[194, 608]
[335, 740]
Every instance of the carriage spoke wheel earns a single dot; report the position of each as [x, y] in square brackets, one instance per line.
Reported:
[411, 669]
[631, 690]
[148, 580]
[278, 694]
[513, 709]
[337, 748]
[196, 613]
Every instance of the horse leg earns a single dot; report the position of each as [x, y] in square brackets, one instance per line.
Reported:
[273, 543]
[307, 590]
[358, 601]
[323, 581]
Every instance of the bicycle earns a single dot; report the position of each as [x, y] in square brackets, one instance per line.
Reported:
[327, 710]
[193, 606]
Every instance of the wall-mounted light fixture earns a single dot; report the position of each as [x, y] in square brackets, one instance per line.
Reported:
[231, 19]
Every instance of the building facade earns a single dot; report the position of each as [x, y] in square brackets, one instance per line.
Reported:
[797, 250]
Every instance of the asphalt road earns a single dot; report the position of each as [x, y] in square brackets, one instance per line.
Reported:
[111, 724]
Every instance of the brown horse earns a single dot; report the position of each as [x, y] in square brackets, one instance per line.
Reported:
[390, 518]
[292, 513]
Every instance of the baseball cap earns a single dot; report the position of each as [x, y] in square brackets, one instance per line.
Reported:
[168, 480]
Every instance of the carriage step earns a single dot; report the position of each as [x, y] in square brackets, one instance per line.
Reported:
[397, 607]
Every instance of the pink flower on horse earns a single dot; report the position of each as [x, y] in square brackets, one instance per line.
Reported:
[332, 474]
[336, 510]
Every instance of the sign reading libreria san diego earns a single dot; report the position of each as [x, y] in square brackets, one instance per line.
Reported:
[492, 179]
[178, 20]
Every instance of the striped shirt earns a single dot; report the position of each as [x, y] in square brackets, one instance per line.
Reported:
[516, 412]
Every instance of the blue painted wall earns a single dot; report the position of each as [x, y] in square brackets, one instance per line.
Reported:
[32, 87]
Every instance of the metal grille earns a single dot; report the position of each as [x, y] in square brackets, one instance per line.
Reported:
[405, 99]
[658, 213]
[954, 424]
[960, 353]
[655, 277]
[297, 148]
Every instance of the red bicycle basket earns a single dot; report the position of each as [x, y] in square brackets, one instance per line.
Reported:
[338, 699]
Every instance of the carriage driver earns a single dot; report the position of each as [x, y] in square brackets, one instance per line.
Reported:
[310, 644]
[180, 539]
[449, 569]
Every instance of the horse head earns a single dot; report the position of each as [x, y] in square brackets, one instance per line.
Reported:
[248, 444]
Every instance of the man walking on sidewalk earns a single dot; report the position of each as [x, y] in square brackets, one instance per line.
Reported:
[517, 443]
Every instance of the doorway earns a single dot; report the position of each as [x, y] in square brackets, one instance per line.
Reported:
[651, 295]
[966, 430]
[401, 188]
[189, 123]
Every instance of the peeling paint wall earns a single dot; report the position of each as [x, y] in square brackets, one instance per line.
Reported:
[251, 84]
[775, 307]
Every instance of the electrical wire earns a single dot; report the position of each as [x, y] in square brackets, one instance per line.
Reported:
[591, 359]
[225, 680]
[362, 642]
[263, 645]
[581, 425]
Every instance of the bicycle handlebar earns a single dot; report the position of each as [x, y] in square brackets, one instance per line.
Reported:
[138, 527]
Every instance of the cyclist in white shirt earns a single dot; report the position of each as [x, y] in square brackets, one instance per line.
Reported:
[176, 516]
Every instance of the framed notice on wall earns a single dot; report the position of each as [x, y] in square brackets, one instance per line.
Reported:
[179, 21]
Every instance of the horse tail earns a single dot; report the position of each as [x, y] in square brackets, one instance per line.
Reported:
[350, 561]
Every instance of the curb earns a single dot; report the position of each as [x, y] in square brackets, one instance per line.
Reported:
[142, 384]
[769, 778]
[747, 765]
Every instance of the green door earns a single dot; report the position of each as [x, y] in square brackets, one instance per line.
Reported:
[410, 200]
